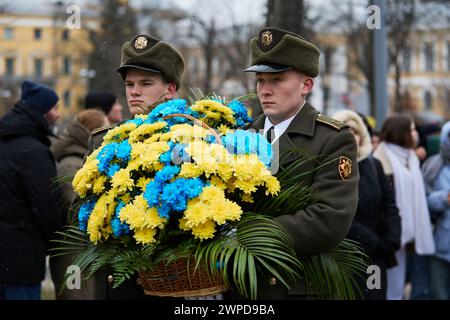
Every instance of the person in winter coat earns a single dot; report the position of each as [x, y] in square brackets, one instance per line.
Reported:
[28, 197]
[436, 173]
[376, 225]
[401, 165]
[69, 153]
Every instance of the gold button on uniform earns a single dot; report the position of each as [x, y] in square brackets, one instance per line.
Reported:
[110, 279]
[272, 281]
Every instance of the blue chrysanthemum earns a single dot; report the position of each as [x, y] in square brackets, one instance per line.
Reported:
[247, 142]
[112, 169]
[136, 121]
[151, 194]
[168, 108]
[84, 212]
[123, 151]
[166, 173]
[240, 113]
[105, 156]
[117, 226]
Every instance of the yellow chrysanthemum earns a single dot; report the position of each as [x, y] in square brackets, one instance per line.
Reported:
[96, 223]
[99, 184]
[218, 182]
[122, 180]
[231, 211]
[213, 115]
[223, 129]
[147, 155]
[190, 170]
[225, 171]
[126, 198]
[196, 212]
[247, 198]
[184, 133]
[138, 215]
[204, 231]
[273, 186]
[145, 235]
[118, 133]
[145, 130]
[214, 110]
[211, 205]
[85, 177]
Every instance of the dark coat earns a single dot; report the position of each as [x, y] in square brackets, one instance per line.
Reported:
[324, 224]
[28, 197]
[377, 223]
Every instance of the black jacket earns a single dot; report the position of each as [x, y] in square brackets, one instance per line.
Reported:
[28, 214]
[377, 223]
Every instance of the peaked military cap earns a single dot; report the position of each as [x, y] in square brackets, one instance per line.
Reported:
[151, 54]
[277, 50]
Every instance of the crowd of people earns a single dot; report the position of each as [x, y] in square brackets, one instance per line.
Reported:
[381, 189]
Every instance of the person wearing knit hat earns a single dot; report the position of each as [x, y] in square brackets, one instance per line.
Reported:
[28, 198]
[107, 102]
[41, 99]
[285, 64]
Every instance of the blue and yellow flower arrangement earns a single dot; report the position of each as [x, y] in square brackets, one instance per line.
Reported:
[153, 168]
[184, 181]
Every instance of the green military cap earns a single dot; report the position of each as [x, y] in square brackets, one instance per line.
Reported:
[277, 50]
[151, 54]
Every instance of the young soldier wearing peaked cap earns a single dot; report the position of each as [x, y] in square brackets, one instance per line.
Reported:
[285, 65]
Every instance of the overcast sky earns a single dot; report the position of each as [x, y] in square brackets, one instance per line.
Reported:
[243, 11]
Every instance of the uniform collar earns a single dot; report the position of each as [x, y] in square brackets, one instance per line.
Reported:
[303, 123]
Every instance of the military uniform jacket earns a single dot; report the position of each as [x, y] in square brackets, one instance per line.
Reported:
[324, 224]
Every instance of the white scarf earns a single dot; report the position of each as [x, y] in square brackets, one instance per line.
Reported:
[410, 198]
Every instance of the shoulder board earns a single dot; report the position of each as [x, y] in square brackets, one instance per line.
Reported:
[102, 129]
[337, 125]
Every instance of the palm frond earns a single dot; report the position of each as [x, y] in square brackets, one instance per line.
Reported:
[333, 273]
[194, 94]
[257, 244]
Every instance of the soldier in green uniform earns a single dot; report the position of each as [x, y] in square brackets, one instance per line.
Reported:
[152, 70]
[285, 65]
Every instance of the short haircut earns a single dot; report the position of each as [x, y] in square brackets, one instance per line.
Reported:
[397, 130]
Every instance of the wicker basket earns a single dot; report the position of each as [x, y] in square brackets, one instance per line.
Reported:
[178, 279]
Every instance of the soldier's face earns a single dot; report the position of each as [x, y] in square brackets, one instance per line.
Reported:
[144, 89]
[282, 94]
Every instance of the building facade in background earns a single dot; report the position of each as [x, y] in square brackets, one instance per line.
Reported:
[43, 47]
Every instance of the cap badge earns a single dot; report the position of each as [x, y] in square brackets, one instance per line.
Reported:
[140, 43]
[266, 38]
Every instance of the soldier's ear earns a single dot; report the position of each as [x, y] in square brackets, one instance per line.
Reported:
[171, 90]
[308, 84]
